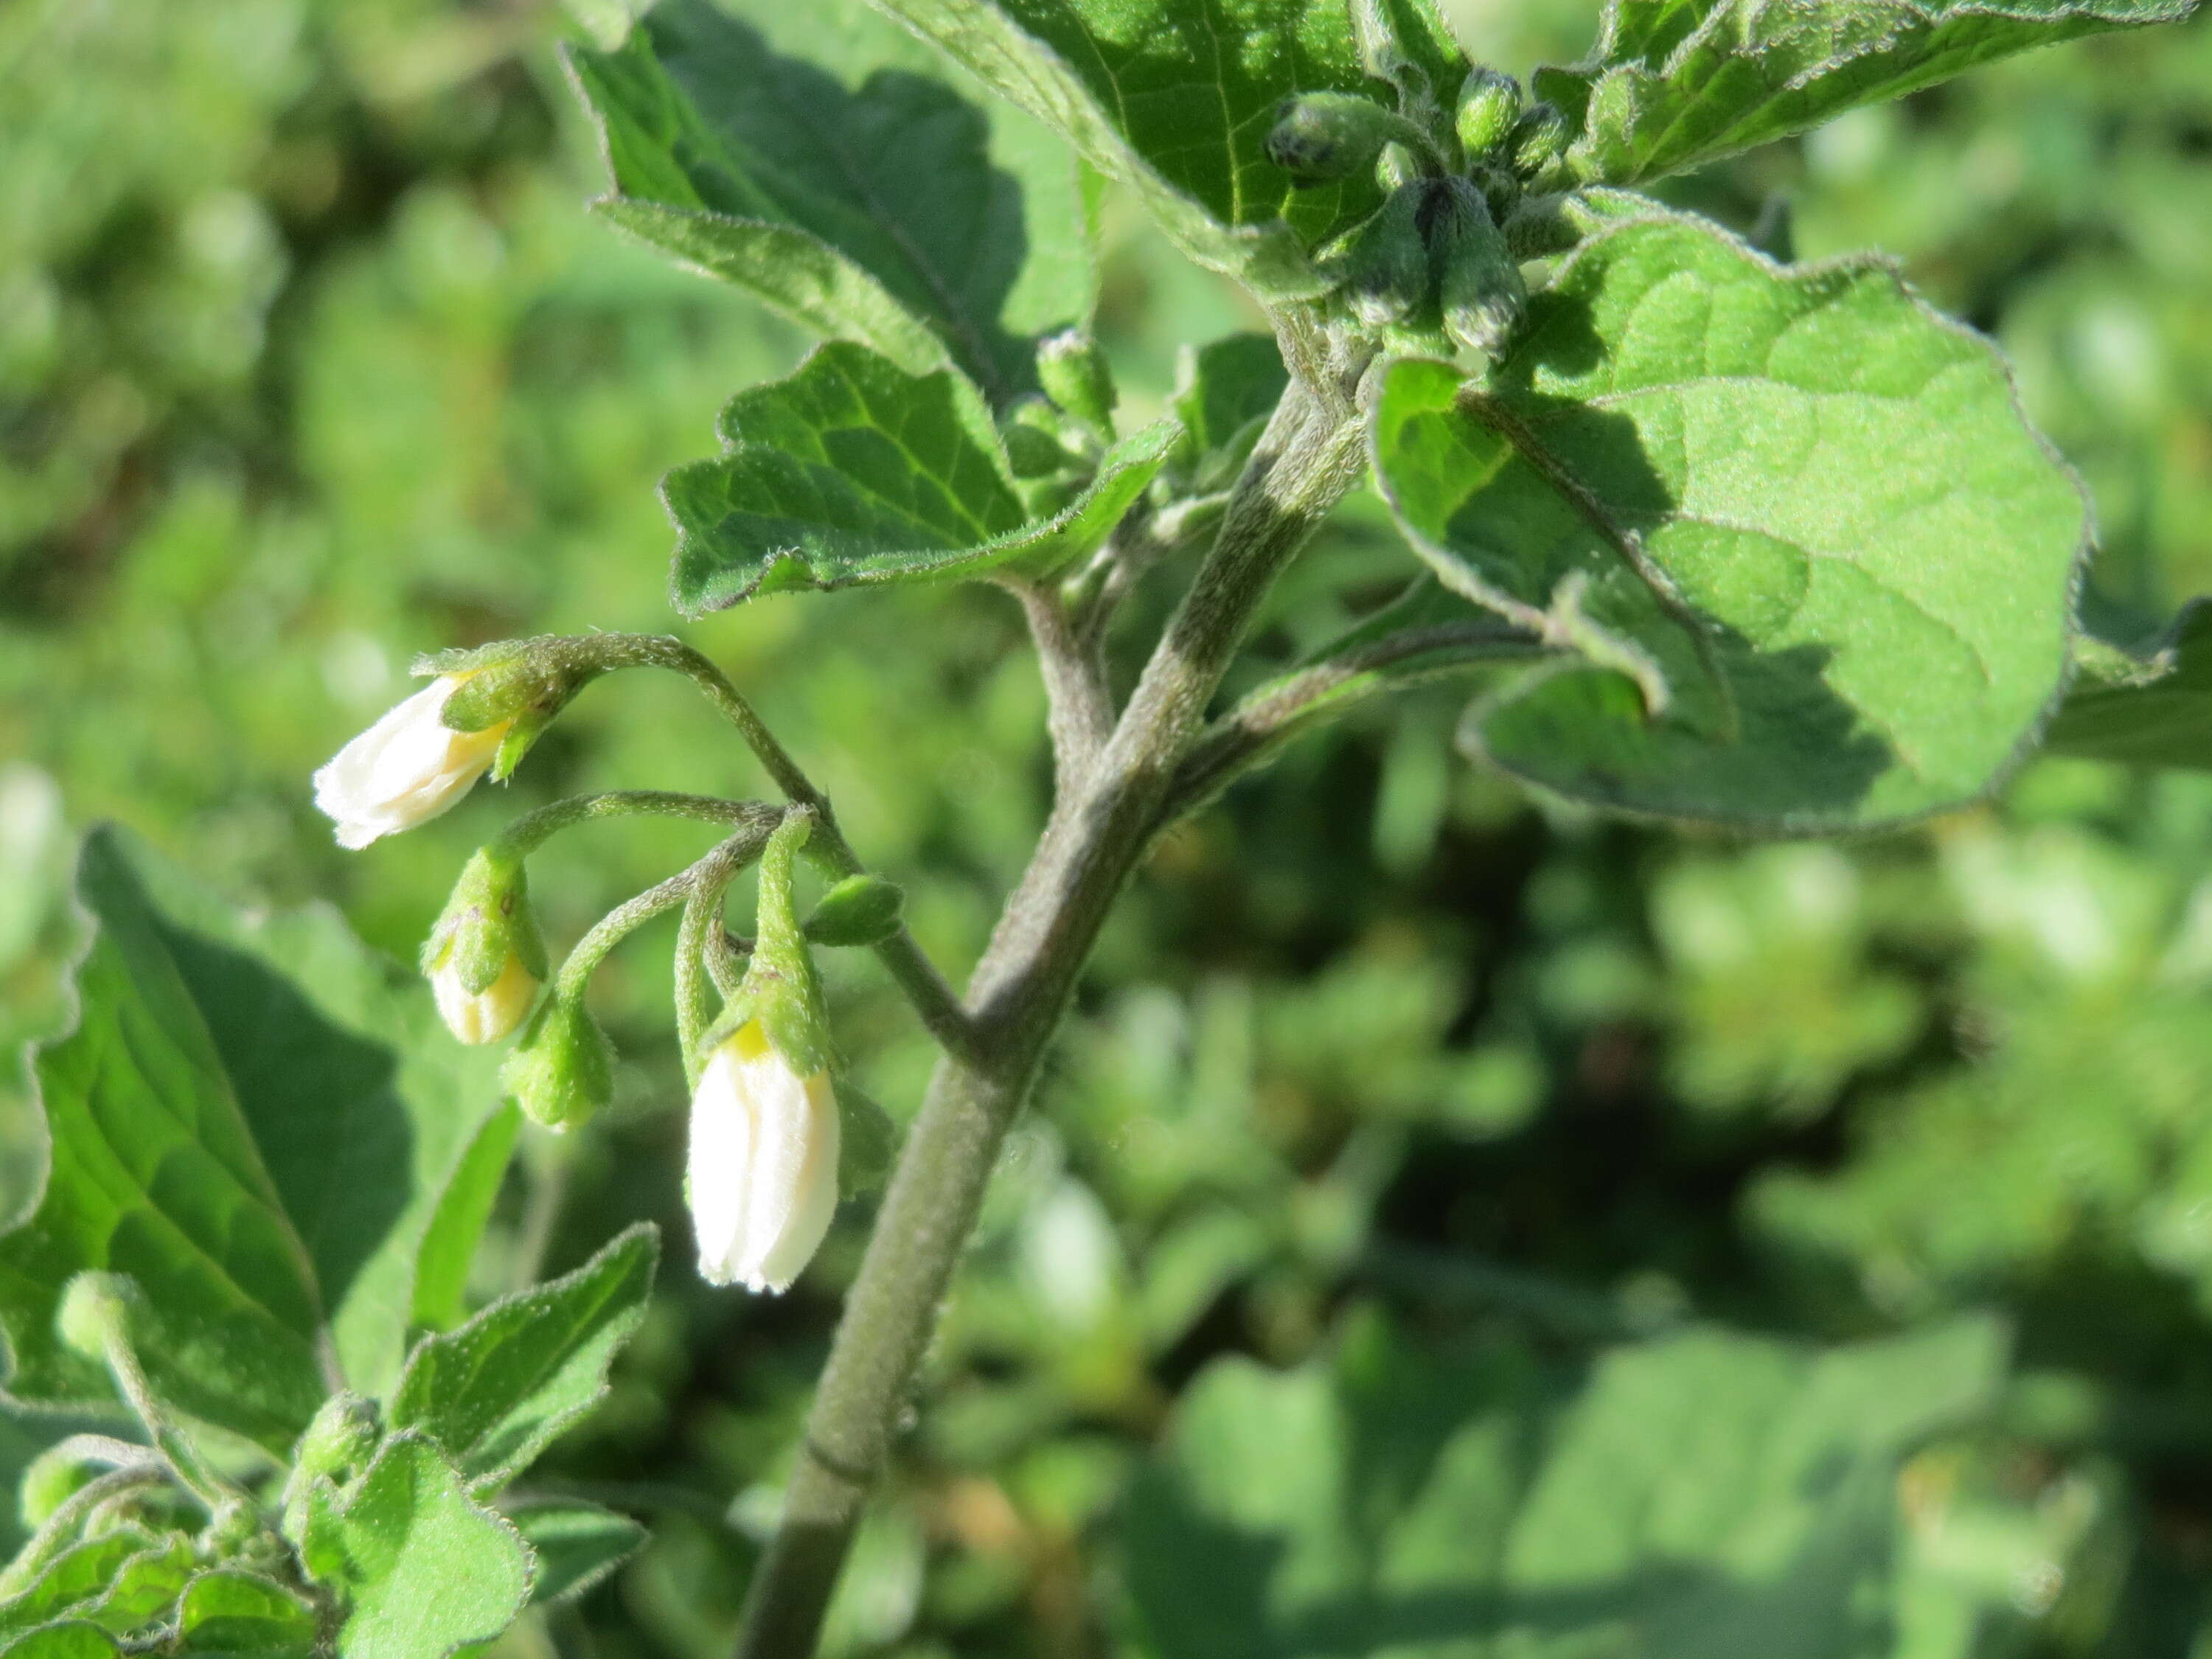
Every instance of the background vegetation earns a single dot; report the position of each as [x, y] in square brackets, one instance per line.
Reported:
[310, 358]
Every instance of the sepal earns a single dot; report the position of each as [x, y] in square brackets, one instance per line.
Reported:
[862, 909]
[561, 1073]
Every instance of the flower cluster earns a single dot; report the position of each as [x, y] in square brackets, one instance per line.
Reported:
[766, 1143]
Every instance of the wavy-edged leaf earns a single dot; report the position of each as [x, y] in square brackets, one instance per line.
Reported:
[261, 1121]
[233, 1611]
[1174, 98]
[1820, 568]
[578, 1545]
[883, 209]
[853, 471]
[2151, 709]
[1676, 83]
[424, 1571]
[146, 1585]
[76, 1577]
[497, 1391]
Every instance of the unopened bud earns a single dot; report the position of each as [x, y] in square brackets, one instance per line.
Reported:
[1489, 104]
[761, 1175]
[1383, 265]
[485, 958]
[409, 767]
[1321, 136]
[92, 1314]
[340, 1439]
[562, 1071]
[1478, 286]
[1075, 374]
[1538, 139]
[861, 909]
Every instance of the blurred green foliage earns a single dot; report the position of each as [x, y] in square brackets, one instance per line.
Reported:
[310, 359]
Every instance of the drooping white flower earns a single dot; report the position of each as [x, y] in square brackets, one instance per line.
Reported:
[406, 768]
[485, 1016]
[762, 1177]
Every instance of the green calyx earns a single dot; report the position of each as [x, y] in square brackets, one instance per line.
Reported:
[562, 1072]
[780, 988]
[522, 684]
[339, 1442]
[1075, 376]
[1479, 291]
[1489, 104]
[486, 921]
[861, 909]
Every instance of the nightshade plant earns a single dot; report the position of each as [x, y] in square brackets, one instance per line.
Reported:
[1716, 539]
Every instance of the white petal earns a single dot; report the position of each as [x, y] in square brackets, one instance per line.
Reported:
[405, 770]
[814, 1186]
[722, 1147]
[763, 1164]
[485, 1016]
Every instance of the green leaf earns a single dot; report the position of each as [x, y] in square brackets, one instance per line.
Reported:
[424, 1569]
[882, 211]
[1225, 392]
[260, 1121]
[231, 1612]
[73, 1640]
[72, 1578]
[2154, 709]
[852, 472]
[144, 1586]
[497, 1391]
[1816, 567]
[1705, 1494]
[457, 1225]
[1174, 98]
[577, 1544]
[1676, 83]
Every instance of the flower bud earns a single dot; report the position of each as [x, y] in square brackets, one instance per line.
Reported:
[92, 1318]
[1075, 374]
[858, 910]
[1479, 285]
[1321, 136]
[485, 958]
[562, 1071]
[1489, 104]
[762, 1174]
[1383, 265]
[1538, 139]
[339, 1440]
[406, 768]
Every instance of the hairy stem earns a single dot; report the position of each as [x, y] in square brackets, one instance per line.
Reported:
[1303, 466]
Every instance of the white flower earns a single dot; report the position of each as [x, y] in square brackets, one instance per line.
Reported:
[487, 1015]
[406, 768]
[763, 1170]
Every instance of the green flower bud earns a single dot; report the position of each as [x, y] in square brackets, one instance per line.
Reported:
[94, 1313]
[858, 910]
[1489, 104]
[1398, 166]
[1075, 374]
[485, 958]
[513, 688]
[339, 1440]
[1382, 266]
[562, 1071]
[1478, 286]
[780, 988]
[1321, 136]
[1538, 138]
[1033, 452]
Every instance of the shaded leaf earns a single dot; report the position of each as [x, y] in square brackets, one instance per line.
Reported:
[1225, 392]
[852, 472]
[1815, 565]
[578, 1545]
[424, 1569]
[2154, 709]
[73, 1640]
[1675, 84]
[257, 1119]
[497, 1391]
[1702, 1494]
[231, 1612]
[881, 213]
[1174, 98]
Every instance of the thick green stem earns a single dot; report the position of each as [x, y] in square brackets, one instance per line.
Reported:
[1304, 464]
